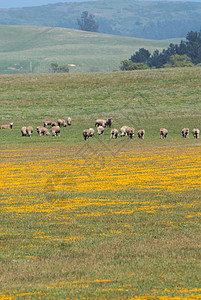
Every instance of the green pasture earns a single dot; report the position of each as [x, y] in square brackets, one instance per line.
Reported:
[138, 255]
[82, 51]
[148, 99]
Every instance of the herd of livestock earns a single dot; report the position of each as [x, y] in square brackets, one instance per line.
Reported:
[101, 125]
[130, 131]
[43, 130]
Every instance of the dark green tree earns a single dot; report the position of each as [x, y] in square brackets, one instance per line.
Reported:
[141, 56]
[186, 53]
[87, 22]
[193, 45]
[55, 68]
[63, 69]
[158, 59]
[181, 48]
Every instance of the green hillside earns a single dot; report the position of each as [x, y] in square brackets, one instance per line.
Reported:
[142, 19]
[82, 51]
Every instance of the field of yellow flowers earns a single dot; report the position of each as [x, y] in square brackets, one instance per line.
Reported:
[172, 170]
[98, 225]
[103, 219]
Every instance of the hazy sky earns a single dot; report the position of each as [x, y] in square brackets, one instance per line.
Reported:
[28, 3]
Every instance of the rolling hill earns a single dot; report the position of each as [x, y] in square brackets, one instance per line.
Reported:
[25, 47]
[31, 3]
[141, 19]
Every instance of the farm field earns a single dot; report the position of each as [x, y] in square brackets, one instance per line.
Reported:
[108, 219]
[22, 46]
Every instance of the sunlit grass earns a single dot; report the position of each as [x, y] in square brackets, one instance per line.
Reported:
[112, 219]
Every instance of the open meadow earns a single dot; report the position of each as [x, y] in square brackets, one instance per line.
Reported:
[30, 47]
[103, 218]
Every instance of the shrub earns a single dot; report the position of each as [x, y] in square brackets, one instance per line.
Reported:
[55, 68]
[128, 65]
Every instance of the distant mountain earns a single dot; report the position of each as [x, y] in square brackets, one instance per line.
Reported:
[142, 19]
[31, 3]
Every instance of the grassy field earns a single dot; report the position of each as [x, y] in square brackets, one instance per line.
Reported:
[86, 51]
[108, 219]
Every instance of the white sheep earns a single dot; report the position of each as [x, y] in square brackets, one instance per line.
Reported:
[42, 130]
[91, 132]
[130, 132]
[185, 132]
[114, 133]
[163, 133]
[100, 122]
[24, 131]
[85, 134]
[69, 121]
[29, 130]
[141, 133]
[49, 122]
[124, 130]
[100, 130]
[56, 130]
[9, 126]
[196, 133]
[61, 122]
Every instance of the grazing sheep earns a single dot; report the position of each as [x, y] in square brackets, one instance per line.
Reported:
[100, 122]
[29, 130]
[91, 131]
[114, 133]
[7, 126]
[69, 121]
[131, 132]
[124, 130]
[61, 122]
[49, 122]
[85, 134]
[185, 132]
[24, 131]
[42, 130]
[196, 133]
[100, 130]
[109, 122]
[163, 133]
[141, 133]
[56, 130]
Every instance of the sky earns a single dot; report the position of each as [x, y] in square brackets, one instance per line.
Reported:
[28, 3]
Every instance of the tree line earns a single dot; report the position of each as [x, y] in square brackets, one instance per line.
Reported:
[187, 53]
